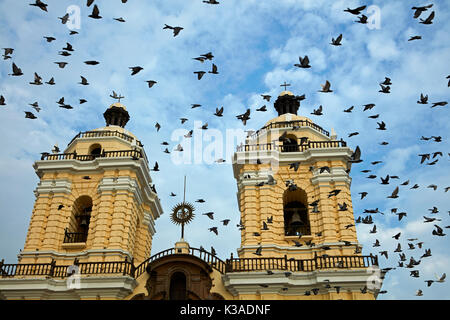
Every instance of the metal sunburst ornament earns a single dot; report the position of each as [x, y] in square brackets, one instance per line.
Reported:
[183, 213]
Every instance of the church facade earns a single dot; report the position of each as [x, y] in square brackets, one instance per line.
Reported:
[91, 230]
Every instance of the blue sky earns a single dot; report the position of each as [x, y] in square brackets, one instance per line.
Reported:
[255, 45]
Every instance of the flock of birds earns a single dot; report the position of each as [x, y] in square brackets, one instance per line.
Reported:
[304, 62]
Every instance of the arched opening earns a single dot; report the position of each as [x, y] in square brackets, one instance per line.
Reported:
[79, 220]
[177, 289]
[95, 150]
[296, 218]
[290, 144]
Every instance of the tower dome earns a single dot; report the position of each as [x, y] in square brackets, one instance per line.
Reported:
[287, 102]
[116, 115]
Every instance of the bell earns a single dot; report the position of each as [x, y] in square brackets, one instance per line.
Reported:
[84, 222]
[296, 221]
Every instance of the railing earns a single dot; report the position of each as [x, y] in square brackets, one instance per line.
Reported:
[135, 154]
[74, 237]
[278, 146]
[105, 133]
[283, 263]
[230, 265]
[61, 271]
[206, 256]
[291, 124]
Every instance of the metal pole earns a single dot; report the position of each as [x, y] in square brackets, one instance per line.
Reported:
[184, 198]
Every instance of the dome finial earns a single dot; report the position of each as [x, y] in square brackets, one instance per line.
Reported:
[116, 114]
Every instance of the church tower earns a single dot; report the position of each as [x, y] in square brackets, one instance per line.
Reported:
[295, 203]
[95, 211]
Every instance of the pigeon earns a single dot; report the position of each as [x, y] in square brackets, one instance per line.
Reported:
[214, 229]
[51, 81]
[349, 110]
[440, 103]
[244, 117]
[201, 59]
[385, 180]
[61, 64]
[91, 62]
[326, 87]
[355, 11]
[368, 106]
[210, 215]
[155, 167]
[384, 89]
[418, 10]
[135, 70]
[337, 41]
[266, 97]
[304, 63]
[438, 231]
[178, 148]
[219, 112]
[211, 1]
[441, 279]
[41, 5]
[30, 115]
[37, 80]
[176, 30]
[35, 106]
[294, 165]
[258, 251]
[423, 99]
[428, 20]
[356, 156]
[16, 70]
[362, 19]
[394, 194]
[2, 101]
[318, 111]
[381, 125]
[414, 38]
[199, 74]
[49, 39]
[64, 18]
[151, 83]
[263, 109]
[84, 81]
[119, 19]
[363, 194]
[214, 69]
[95, 13]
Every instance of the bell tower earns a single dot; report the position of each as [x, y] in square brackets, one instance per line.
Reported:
[95, 208]
[296, 209]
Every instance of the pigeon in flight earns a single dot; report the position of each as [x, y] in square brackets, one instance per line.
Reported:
[95, 13]
[41, 5]
[135, 70]
[418, 10]
[326, 87]
[16, 70]
[355, 11]
[428, 20]
[176, 30]
[337, 41]
[304, 63]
